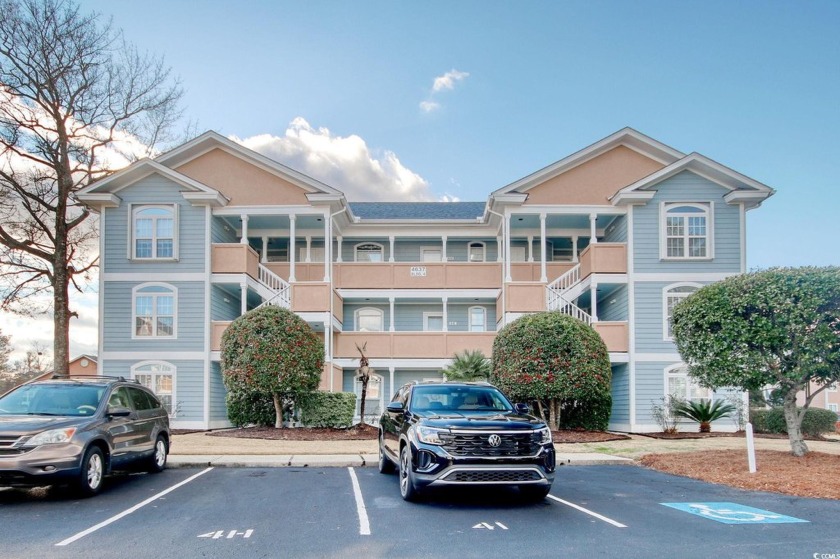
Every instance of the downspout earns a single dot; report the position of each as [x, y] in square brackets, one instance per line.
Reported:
[506, 256]
[332, 299]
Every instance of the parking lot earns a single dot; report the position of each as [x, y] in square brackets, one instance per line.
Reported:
[613, 511]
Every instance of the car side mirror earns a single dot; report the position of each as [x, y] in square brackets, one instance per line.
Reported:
[522, 408]
[118, 411]
[395, 407]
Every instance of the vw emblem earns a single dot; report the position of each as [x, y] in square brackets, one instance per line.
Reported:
[494, 440]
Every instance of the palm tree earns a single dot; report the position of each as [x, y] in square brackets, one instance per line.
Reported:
[704, 412]
[467, 366]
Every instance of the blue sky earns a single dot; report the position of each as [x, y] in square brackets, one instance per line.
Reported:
[335, 89]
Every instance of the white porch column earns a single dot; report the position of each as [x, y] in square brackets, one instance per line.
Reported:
[593, 296]
[244, 238]
[292, 220]
[264, 251]
[308, 248]
[500, 253]
[338, 248]
[391, 380]
[445, 315]
[443, 249]
[391, 316]
[593, 230]
[391, 252]
[575, 248]
[328, 249]
[243, 295]
[507, 247]
[530, 248]
[543, 272]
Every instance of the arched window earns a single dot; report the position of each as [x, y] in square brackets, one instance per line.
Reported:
[154, 232]
[155, 311]
[369, 252]
[369, 319]
[476, 251]
[672, 295]
[686, 231]
[678, 384]
[159, 377]
[478, 319]
[373, 398]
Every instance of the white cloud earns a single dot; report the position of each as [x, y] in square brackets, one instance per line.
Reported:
[447, 81]
[429, 106]
[343, 162]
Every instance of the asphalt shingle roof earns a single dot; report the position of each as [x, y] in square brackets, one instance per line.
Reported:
[418, 210]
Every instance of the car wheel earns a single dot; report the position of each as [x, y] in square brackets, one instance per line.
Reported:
[385, 465]
[93, 472]
[157, 462]
[534, 493]
[407, 488]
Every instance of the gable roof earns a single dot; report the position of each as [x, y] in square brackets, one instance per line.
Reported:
[626, 137]
[213, 140]
[742, 188]
[418, 211]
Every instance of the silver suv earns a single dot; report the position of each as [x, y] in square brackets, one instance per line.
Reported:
[76, 431]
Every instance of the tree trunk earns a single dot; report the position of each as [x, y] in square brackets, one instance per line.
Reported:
[278, 411]
[705, 427]
[362, 403]
[794, 424]
[552, 414]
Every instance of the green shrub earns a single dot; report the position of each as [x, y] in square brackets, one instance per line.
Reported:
[328, 409]
[592, 415]
[816, 421]
[250, 407]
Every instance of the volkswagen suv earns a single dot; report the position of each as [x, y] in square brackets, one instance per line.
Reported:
[446, 433]
[76, 431]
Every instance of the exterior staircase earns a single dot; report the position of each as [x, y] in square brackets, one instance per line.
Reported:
[561, 292]
[273, 289]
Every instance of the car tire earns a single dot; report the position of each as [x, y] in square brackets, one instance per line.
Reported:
[535, 493]
[92, 473]
[408, 490]
[385, 465]
[157, 461]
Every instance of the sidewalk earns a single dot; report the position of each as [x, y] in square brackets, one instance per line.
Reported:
[200, 450]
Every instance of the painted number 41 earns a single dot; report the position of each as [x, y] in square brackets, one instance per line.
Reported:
[219, 534]
[488, 526]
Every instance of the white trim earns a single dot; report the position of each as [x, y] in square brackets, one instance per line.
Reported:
[159, 355]
[469, 318]
[665, 295]
[134, 210]
[384, 363]
[619, 357]
[669, 372]
[153, 276]
[742, 216]
[172, 372]
[154, 295]
[657, 357]
[369, 243]
[483, 250]
[708, 214]
[100, 331]
[431, 314]
[357, 312]
[436, 294]
[431, 248]
[631, 313]
[683, 276]
[208, 271]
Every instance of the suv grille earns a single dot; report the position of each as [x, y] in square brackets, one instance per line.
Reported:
[478, 444]
[493, 476]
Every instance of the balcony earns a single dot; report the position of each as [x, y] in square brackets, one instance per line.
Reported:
[417, 275]
[532, 271]
[234, 258]
[412, 345]
[616, 335]
[603, 258]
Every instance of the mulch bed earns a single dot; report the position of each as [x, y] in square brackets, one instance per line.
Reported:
[741, 434]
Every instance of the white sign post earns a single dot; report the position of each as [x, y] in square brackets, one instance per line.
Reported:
[750, 448]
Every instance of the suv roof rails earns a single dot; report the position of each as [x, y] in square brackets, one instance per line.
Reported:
[95, 377]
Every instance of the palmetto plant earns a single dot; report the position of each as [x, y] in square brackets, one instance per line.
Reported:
[468, 366]
[704, 412]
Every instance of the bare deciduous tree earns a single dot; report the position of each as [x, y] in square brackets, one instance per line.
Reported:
[76, 101]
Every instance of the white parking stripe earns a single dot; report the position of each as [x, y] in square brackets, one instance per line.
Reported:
[589, 512]
[126, 512]
[364, 524]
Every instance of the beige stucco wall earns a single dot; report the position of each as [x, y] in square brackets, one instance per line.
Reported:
[399, 345]
[242, 182]
[596, 180]
[525, 297]
[615, 335]
[310, 297]
[603, 258]
[234, 258]
[448, 275]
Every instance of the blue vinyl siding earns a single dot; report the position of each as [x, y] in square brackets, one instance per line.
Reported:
[650, 387]
[221, 310]
[687, 187]
[191, 239]
[408, 317]
[189, 383]
[410, 250]
[218, 409]
[620, 394]
[650, 314]
[117, 320]
[614, 307]
[617, 230]
[221, 232]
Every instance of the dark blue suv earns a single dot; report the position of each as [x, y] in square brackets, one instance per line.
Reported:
[447, 433]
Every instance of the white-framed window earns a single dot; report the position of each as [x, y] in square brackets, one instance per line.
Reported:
[478, 319]
[672, 295]
[154, 311]
[686, 231]
[431, 254]
[518, 253]
[159, 377]
[433, 321]
[476, 251]
[316, 254]
[682, 386]
[154, 232]
[369, 252]
[832, 407]
[370, 319]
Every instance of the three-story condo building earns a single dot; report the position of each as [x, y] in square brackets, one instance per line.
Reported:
[614, 234]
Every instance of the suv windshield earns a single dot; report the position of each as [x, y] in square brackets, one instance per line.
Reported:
[458, 398]
[52, 399]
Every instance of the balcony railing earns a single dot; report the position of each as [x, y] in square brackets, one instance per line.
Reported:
[417, 345]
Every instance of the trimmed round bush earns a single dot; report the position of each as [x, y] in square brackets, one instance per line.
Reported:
[816, 421]
[250, 407]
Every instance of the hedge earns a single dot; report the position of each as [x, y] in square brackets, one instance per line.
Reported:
[816, 421]
[250, 407]
[328, 409]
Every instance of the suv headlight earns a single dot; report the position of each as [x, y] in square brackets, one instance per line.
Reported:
[545, 435]
[51, 437]
[429, 435]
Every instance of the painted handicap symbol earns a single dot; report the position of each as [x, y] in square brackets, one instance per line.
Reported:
[733, 513]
